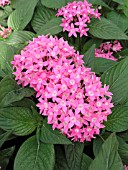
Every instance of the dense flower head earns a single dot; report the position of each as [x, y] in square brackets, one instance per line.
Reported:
[107, 49]
[4, 2]
[41, 58]
[76, 103]
[76, 17]
[70, 95]
[5, 32]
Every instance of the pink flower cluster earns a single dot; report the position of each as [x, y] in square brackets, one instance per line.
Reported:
[76, 17]
[5, 32]
[4, 2]
[70, 95]
[125, 167]
[107, 49]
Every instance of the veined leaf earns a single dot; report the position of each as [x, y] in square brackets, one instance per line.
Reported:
[51, 27]
[34, 156]
[22, 15]
[48, 135]
[105, 29]
[41, 16]
[118, 120]
[20, 120]
[54, 4]
[74, 155]
[116, 78]
[108, 157]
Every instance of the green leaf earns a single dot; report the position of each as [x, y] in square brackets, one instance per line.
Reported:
[74, 155]
[98, 2]
[4, 157]
[116, 78]
[41, 16]
[4, 137]
[34, 156]
[6, 56]
[48, 135]
[119, 1]
[19, 19]
[16, 95]
[119, 19]
[123, 150]
[19, 37]
[118, 120]
[105, 29]
[25, 102]
[101, 65]
[54, 4]
[108, 157]
[20, 120]
[86, 161]
[60, 162]
[7, 84]
[51, 27]
[89, 56]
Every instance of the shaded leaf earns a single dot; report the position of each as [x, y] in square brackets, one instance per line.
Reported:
[54, 4]
[51, 27]
[106, 29]
[48, 135]
[4, 157]
[41, 16]
[86, 161]
[74, 155]
[116, 78]
[17, 119]
[4, 137]
[22, 15]
[39, 157]
[108, 157]
[118, 120]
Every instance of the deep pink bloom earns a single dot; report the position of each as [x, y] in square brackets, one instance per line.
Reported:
[70, 95]
[76, 16]
[107, 49]
[4, 2]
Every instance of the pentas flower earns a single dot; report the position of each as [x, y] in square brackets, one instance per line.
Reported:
[43, 59]
[76, 103]
[4, 2]
[76, 17]
[5, 32]
[70, 95]
[107, 49]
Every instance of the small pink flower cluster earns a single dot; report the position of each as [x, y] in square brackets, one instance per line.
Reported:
[5, 32]
[70, 95]
[125, 167]
[4, 2]
[107, 49]
[76, 16]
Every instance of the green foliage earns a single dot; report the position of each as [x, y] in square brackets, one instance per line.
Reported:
[17, 119]
[48, 135]
[74, 155]
[116, 78]
[36, 156]
[41, 16]
[54, 4]
[4, 157]
[118, 120]
[106, 29]
[19, 18]
[51, 27]
[108, 157]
